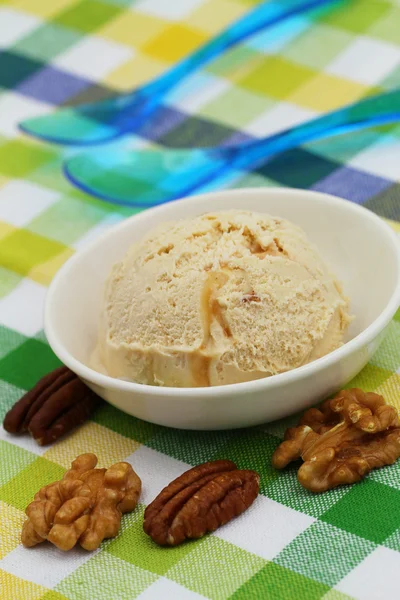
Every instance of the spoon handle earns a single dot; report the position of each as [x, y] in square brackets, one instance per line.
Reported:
[372, 111]
[267, 13]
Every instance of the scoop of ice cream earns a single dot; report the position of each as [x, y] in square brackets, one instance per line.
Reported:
[221, 298]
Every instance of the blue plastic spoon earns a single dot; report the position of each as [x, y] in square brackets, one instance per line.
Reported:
[108, 119]
[144, 178]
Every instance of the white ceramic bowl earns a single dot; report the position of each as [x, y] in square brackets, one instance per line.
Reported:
[362, 250]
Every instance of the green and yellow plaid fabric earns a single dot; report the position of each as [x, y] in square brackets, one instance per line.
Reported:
[290, 544]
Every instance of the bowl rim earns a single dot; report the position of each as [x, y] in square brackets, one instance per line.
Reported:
[225, 391]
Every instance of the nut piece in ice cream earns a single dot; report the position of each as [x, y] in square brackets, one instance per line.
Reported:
[217, 299]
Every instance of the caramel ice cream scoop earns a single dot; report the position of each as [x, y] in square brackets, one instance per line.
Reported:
[216, 299]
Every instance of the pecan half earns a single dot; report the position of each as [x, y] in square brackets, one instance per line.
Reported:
[86, 505]
[59, 402]
[348, 436]
[199, 501]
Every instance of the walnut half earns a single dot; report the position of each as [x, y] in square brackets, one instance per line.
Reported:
[86, 505]
[348, 436]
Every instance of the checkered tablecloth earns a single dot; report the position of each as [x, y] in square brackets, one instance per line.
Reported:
[290, 544]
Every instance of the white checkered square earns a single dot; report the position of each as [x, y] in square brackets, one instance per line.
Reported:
[280, 117]
[26, 442]
[21, 201]
[382, 158]
[15, 108]
[197, 91]
[46, 565]
[165, 588]
[94, 57]
[23, 308]
[156, 470]
[266, 528]
[366, 60]
[375, 577]
[14, 25]
[172, 11]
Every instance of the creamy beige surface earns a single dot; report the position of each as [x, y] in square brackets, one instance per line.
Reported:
[217, 299]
